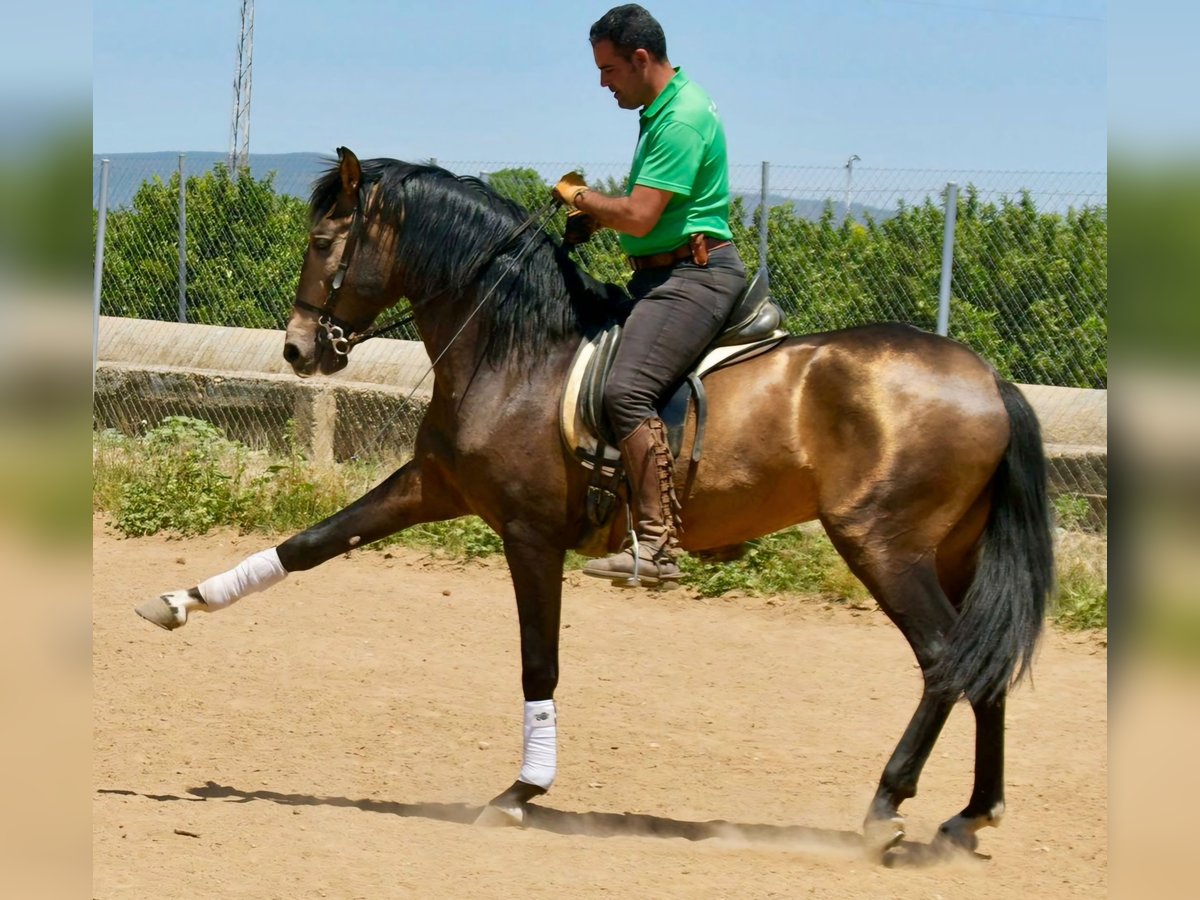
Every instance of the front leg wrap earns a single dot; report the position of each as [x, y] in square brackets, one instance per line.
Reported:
[255, 573]
[539, 761]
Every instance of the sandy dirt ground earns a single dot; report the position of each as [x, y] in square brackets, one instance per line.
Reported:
[336, 736]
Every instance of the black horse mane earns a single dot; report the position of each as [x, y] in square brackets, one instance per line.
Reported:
[453, 237]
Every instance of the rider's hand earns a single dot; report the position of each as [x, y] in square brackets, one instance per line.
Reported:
[569, 188]
[579, 228]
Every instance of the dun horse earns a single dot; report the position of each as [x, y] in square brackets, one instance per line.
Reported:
[924, 467]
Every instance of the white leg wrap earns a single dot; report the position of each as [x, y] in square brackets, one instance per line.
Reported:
[539, 762]
[255, 573]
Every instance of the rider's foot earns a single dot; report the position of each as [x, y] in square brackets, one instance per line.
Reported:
[652, 569]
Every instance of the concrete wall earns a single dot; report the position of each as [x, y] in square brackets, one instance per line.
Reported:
[237, 379]
[214, 348]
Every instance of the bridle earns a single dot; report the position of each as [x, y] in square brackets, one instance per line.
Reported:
[335, 333]
[340, 336]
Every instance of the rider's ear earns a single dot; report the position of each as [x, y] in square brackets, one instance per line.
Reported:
[351, 171]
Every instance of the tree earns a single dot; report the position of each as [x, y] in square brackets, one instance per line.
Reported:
[1029, 289]
[245, 245]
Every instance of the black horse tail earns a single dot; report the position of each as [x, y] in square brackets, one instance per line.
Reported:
[1004, 609]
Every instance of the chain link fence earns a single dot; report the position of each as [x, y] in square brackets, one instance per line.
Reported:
[843, 246]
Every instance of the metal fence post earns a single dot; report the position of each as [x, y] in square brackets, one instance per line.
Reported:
[98, 277]
[763, 217]
[182, 242]
[943, 320]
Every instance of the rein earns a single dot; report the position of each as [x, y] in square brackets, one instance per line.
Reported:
[540, 217]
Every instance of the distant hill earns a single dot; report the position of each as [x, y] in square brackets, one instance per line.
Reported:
[813, 208]
[295, 173]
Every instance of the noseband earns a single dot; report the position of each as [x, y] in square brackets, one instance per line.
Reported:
[335, 333]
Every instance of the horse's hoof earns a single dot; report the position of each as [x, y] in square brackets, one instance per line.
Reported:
[881, 835]
[957, 837]
[501, 816]
[164, 611]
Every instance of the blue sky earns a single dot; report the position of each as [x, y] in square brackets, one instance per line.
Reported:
[974, 84]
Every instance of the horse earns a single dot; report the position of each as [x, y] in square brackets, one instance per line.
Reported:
[925, 468]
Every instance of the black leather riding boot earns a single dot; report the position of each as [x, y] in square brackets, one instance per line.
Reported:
[648, 462]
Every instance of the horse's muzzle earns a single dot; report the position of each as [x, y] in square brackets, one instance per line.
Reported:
[306, 352]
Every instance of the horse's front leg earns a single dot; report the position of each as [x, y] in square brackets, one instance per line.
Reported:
[536, 566]
[411, 495]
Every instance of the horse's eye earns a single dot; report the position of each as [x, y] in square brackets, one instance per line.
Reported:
[322, 243]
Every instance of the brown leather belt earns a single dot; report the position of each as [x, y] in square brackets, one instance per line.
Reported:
[698, 247]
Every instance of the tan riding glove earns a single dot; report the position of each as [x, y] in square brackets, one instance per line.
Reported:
[569, 188]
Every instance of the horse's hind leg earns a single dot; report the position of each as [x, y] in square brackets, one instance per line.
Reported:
[412, 494]
[911, 596]
[986, 806]
[957, 566]
[924, 618]
[917, 601]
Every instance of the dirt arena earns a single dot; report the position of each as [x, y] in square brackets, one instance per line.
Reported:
[336, 736]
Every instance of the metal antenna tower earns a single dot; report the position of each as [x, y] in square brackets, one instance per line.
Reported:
[239, 144]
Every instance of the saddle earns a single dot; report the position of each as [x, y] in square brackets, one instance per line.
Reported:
[753, 327]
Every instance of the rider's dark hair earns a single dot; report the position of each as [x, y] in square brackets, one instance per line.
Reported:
[630, 27]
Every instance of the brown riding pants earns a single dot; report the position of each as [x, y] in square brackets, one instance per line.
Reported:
[678, 311]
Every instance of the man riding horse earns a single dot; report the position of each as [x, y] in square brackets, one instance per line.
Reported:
[674, 226]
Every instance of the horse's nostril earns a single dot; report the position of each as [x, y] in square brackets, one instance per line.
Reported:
[291, 352]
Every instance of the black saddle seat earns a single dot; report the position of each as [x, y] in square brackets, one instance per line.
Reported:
[754, 316]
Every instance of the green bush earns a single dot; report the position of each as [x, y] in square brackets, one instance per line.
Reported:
[178, 480]
[1082, 572]
[1071, 511]
[465, 538]
[245, 245]
[799, 560]
[1082, 600]
[1029, 290]
[184, 477]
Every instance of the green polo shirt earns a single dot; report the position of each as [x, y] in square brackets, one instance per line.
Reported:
[681, 149]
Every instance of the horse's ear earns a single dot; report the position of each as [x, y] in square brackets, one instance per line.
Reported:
[351, 171]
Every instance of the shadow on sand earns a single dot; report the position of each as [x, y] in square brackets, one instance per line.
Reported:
[818, 841]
